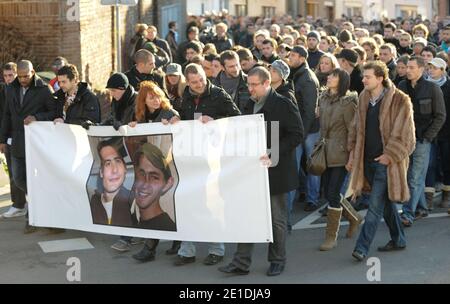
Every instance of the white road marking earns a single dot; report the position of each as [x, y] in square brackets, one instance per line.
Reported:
[307, 222]
[65, 245]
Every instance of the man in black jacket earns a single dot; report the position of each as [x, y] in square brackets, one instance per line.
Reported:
[17, 195]
[144, 70]
[28, 99]
[269, 51]
[283, 174]
[314, 53]
[348, 60]
[192, 35]
[202, 97]
[429, 116]
[306, 86]
[387, 55]
[232, 79]
[279, 73]
[76, 103]
[172, 37]
[152, 36]
[123, 103]
[206, 102]
[221, 39]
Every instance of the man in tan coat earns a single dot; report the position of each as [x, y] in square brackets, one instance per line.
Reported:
[381, 142]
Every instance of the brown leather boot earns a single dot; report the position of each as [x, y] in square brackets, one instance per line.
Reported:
[333, 222]
[354, 218]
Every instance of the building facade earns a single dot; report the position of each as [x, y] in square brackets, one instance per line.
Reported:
[82, 31]
[377, 9]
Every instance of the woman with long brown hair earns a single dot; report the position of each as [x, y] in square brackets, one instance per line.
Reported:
[152, 105]
[175, 84]
[337, 107]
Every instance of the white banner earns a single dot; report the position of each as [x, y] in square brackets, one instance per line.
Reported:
[187, 181]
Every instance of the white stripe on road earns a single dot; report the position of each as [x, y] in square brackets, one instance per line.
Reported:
[66, 245]
[307, 222]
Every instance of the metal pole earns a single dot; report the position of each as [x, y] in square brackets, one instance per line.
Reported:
[119, 52]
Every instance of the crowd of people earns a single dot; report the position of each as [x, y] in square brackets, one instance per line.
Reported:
[377, 95]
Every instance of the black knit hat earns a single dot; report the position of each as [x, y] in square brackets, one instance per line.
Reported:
[118, 81]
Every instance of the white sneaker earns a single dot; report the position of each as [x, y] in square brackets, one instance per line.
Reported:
[14, 212]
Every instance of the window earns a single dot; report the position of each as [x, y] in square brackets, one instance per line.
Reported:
[224, 4]
[268, 11]
[312, 9]
[240, 10]
[354, 11]
[405, 11]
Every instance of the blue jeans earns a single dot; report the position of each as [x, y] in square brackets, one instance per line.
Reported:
[19, 172]
[444, 150]
[312, 181]
[379, 206]
[417, 172]
[187, 249]
[17, 195]
[292, 194]
[433, 166]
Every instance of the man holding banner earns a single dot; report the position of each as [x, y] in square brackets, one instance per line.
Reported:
[28, 99]
[282, 175]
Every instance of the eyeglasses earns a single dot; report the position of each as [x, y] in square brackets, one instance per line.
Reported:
[252, 85]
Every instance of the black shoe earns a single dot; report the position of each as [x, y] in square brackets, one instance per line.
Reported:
[56, 230]
[212, 259]
[182, 260]
[145, 255]
[390, 246]
[174, 249]
[301, 197]
[232, 269]
[29, 229]
[358, 256]
[275, 269]
[405, 222]
[310, 207]
[420, 214]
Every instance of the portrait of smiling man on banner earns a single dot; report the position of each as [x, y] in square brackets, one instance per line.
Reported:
[110, 204]
[153, 179]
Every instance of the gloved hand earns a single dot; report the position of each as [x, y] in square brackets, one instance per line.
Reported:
[108, 121]
[87, 124]
[116, 124]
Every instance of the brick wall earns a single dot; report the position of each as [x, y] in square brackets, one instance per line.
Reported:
[36, 21]
[88, 42]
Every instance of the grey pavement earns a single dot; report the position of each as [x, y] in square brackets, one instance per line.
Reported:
[425, 260]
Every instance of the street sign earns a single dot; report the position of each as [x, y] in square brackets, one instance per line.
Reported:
[118, 3]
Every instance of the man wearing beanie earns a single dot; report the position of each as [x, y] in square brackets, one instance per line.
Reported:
[122, 112]
[314, 53]
[306, 88]
[279, 72]
[124, 96]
